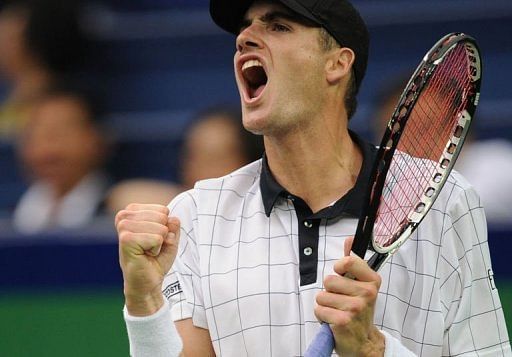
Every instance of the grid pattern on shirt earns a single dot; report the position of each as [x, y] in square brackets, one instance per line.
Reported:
[239, 274]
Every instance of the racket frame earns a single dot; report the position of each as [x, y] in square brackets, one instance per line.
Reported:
[418, 81]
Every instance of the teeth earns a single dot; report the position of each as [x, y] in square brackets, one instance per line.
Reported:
[251, 63]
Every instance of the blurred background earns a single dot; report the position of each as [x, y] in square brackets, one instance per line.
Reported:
[112, 100]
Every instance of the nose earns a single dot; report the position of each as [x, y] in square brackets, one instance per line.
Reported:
[248, 39]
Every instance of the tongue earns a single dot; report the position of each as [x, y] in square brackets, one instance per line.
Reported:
[258, 91]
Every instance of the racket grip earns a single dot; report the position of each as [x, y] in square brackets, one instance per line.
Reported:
[323, 343]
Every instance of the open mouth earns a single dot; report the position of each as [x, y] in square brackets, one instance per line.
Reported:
[255, 77]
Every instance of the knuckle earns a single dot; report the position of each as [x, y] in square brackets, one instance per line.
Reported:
[120, 216]
[349, 261]
[162, 218]
[132, 207]
[320, 297]
[162, 231]
[318, 311]
[370, 291]
[340, 319]
[122, 225]
[358, 307]
[329, 281]
[378, 281]
[125, 237]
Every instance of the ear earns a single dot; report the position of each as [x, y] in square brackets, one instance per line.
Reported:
[339, 64]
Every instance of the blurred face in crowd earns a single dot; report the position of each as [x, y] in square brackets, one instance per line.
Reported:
[213, 148]
[59, 144]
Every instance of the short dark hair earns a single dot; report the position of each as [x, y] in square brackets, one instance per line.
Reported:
[53, 33]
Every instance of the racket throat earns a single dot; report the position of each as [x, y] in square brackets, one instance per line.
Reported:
[377, 260]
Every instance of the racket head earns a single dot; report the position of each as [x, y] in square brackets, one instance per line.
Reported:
[421, 143]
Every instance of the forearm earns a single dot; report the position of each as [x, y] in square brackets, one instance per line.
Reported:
[143, 305]
[372, 345]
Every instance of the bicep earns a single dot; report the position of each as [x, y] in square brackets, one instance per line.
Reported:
[196, 340]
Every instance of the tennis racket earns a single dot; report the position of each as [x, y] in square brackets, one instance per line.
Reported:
[417, 153]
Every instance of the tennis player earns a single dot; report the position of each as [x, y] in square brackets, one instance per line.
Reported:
[257, 256]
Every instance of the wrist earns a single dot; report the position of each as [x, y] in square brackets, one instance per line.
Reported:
[376, 344]
[143, 304]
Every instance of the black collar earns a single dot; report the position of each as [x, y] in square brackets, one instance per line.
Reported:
[350, 204]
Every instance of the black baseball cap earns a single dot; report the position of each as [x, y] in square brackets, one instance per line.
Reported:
[338, 17]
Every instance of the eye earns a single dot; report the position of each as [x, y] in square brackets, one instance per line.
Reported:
[276, 26]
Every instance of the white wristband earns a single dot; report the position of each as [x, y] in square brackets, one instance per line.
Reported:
[154, 335]
[394, 347]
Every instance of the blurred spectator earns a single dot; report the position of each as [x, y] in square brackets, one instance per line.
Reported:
[40, 42]
[215, 144]
[62, 148]
[478, 162]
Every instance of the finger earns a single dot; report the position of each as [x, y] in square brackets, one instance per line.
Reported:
[141, 243]
[148, 207]
[355, 267]
[173, 223]
[346, 286]
[347, 245]
[332, 316]
[341, 302]
[173, 237]
[142, 215]
[127, 225]
[135, 207]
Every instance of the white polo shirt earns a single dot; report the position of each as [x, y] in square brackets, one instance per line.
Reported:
[252, 258]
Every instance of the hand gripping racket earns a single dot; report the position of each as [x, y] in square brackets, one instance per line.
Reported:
[418, 150]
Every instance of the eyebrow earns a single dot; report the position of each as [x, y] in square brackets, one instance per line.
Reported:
[279, 14]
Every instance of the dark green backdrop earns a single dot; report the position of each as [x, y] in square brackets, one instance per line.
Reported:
[85, 323]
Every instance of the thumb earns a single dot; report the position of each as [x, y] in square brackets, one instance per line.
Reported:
[170, 244]
[347, 245]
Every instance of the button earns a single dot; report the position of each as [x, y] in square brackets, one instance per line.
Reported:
[308, 224]
[291, 198]
[308, 251]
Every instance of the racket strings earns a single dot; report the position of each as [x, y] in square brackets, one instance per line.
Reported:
[430, 126]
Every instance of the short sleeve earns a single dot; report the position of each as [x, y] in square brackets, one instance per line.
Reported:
[182, 285]
[474, 320]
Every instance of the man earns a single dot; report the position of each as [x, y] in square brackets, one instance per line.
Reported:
[62, 149]
[258, 260]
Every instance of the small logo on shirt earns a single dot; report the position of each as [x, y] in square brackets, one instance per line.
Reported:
[172, 289]
[490, 276]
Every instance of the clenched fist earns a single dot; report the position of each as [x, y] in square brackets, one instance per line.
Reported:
[148, 243]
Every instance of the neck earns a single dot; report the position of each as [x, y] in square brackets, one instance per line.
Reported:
[320, 163]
